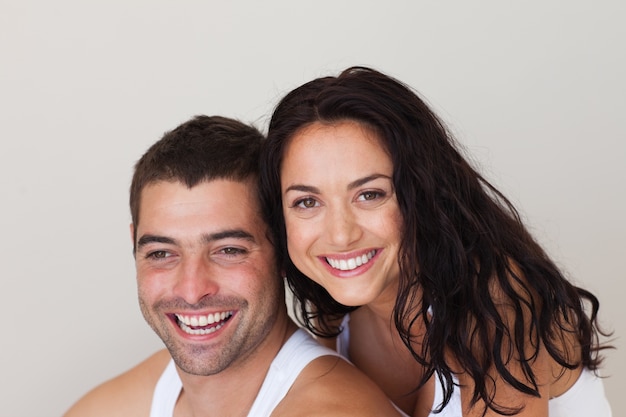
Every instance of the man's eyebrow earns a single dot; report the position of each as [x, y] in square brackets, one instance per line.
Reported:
[147, 239]
[207, 238]
[228, 234]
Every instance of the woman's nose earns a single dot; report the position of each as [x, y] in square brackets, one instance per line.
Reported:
[342, 227]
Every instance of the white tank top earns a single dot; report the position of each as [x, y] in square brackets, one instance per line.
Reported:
[295, 354]
[585, 398]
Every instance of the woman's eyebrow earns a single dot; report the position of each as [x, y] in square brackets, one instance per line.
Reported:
[354, 184]
[362, 181]
[303, 188]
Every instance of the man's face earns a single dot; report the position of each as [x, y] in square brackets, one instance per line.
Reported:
[206, 273]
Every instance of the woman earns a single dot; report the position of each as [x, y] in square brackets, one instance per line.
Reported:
[394, 243]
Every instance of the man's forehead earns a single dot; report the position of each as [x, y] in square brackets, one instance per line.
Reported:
[231, 203]
[214, 190]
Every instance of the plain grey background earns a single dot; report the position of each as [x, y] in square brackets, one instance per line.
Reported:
[535, 90]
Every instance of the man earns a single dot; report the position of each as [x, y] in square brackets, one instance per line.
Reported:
[209, 286]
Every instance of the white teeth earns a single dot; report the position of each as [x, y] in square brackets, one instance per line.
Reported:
[352, 263]
[203, 331]
[187, 323]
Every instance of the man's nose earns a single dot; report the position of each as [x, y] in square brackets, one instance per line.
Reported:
[195, 280]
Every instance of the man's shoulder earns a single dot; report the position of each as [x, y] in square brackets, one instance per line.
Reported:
[331, 386]
[129, 393]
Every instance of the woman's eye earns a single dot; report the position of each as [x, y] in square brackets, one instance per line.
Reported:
[369, 195]
[306, 203]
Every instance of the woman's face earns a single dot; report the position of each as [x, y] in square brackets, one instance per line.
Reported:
[341, 213]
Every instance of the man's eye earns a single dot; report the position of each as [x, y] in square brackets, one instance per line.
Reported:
[158, 254]
[233, 251]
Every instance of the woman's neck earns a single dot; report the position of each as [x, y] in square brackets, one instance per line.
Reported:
[383, 306]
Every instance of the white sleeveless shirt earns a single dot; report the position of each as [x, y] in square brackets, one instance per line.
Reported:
[585, 398]
[299, 350]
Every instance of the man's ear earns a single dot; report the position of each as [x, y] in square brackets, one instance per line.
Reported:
[132, 237]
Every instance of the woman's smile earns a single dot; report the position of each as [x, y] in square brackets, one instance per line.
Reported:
[350, 263]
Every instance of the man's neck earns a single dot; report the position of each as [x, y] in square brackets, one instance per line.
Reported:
[233, 391]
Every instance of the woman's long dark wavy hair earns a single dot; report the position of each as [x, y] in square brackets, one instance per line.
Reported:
[461, 238]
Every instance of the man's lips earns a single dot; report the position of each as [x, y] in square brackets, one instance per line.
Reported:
[202, 324]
